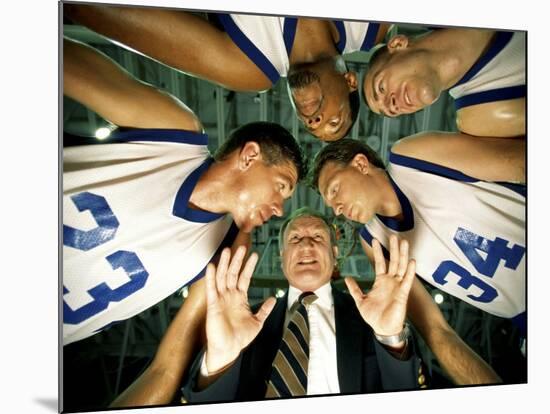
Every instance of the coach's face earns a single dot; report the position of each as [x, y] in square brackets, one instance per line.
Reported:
[308, 256]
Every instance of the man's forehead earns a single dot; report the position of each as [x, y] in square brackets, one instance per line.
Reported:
[285, 169]
[306, 222]
[327, 172]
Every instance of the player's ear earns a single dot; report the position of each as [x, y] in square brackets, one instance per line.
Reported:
[361, 163]
[351, 80]
[398, 42]
[249, 154]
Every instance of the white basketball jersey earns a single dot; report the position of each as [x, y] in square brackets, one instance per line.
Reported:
[268, 40]
[355, 36]
[129, 237]
[497, 75]
[467, 236]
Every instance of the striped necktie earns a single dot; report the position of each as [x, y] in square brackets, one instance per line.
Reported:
[289, 370]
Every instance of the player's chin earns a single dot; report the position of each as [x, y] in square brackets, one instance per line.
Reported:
[247, 227]
[250, 224]
[363, 217]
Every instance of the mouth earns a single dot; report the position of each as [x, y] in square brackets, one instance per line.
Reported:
[307, 261]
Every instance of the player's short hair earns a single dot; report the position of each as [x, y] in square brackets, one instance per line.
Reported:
[276, 144]
[341, 152]
[306, 212]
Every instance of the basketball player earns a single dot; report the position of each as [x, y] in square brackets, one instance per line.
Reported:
[250, 53]
[147, 209]
[483, 70]
[463, 214]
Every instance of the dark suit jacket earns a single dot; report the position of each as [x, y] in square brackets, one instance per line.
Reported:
[363, 364]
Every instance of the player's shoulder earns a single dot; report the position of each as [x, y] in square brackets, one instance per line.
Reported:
[419, 144]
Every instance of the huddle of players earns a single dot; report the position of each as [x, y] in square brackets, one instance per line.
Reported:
[449, 205]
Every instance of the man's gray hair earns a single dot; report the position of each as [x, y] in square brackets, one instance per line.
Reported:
[306, 212]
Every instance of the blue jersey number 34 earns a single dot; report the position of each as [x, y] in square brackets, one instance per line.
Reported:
[495, 252]
[107, 225]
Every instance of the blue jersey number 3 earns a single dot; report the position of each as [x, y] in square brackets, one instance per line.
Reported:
[107, 225]
[472, 245]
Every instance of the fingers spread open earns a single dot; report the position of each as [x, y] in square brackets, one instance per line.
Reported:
[354, 290]
[403, 258]
[379, 260]
[235, 267]
[394, 255]
[221, 271]
[246, 274]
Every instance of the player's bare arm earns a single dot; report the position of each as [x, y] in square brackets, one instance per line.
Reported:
[460, 362]
[178, 39]
[504, 119]
[184, 337]
[160, 381]
[490, 159]
[96, 81]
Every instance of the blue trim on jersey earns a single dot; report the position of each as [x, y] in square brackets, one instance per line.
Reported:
[370, 37]
[521, 322]
[500, 41]
[431, 168]
[124, 135]
[407, 223]
[181, 208]
[341, 45]
[365, 234]
[289, 33]
[450, 173]
[226, 242]
[408, 215]
[520, 189]
[248, 48]
[493, 95]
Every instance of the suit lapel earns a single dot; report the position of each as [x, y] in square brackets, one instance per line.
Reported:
[258, 357]
[349, 339]
[272, 333]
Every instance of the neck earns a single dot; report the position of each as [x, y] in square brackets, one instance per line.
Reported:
[315, 39]
[389, 205]
[211, 192]
[454, 51]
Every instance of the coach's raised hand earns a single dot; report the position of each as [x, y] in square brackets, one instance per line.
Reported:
[230, 324]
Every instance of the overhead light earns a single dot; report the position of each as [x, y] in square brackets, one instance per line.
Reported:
[279, 293]
[102, 133]
[185, 292]
[438, 297]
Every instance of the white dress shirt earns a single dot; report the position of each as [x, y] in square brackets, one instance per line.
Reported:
[322, 370]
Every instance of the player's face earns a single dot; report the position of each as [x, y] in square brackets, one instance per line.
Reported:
[308, 257]
[323, 105]
[348, 191]
[401, 83]
[262, 193]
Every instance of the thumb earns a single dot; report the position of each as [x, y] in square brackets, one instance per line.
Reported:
[265, 310]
